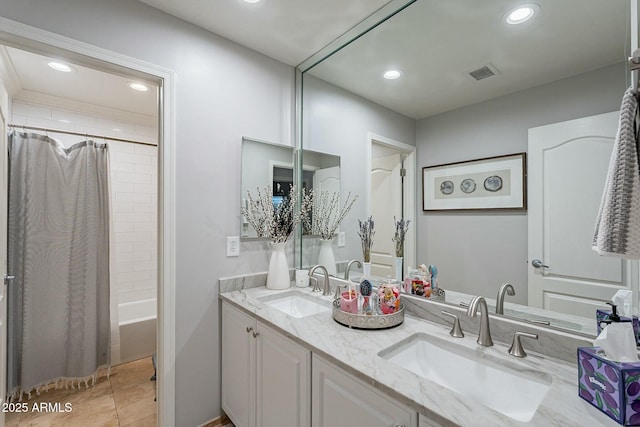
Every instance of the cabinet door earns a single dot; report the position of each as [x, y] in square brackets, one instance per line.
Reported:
[283, 378]
[238, 366]
[341, 400]
[426, 422]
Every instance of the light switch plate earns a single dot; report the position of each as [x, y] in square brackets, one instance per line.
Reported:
[233, 246]
[341, 238]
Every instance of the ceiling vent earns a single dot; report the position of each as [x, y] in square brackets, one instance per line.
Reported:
[484, 72]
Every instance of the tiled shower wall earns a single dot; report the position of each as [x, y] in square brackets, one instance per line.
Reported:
[134, 177]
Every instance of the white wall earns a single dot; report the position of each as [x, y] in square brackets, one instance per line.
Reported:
[340, 126]
[476, 252]
[223, 91]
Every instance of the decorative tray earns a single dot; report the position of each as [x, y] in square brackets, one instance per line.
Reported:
[364, 321]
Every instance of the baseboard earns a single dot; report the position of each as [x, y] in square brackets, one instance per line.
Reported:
[217, 422]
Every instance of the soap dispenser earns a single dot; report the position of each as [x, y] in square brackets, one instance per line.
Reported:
[611, 318]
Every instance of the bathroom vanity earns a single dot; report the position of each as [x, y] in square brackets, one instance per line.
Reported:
[286, 362]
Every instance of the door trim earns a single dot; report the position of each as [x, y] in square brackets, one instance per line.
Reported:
[409, 190]
[43, 42]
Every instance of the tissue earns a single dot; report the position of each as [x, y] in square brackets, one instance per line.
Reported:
[622, 299]
[618, 342]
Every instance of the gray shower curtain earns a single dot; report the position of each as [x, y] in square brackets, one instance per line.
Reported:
[58, 251]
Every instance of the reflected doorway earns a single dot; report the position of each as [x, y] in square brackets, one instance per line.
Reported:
[391, 195]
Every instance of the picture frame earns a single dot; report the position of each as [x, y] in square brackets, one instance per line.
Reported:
[490, 183]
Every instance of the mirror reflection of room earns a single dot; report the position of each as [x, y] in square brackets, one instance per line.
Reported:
[540, 82]
[271, 165]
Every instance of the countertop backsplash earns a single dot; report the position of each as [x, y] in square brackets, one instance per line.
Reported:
[553, 343]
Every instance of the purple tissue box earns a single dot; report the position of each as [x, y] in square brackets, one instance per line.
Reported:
[612, 387]
[604, 315]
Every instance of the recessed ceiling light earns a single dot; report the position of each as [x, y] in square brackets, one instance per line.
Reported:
[59, 66]
[392, 74]
[251, 1]
[138, 86]
[522, 13]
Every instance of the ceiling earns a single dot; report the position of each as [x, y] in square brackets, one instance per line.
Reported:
[287, 30]
[435, 43]
[34, 79]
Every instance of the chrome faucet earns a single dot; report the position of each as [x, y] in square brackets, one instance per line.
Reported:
[346, 272]
[505, 288]
[484, 335]
[326, 290]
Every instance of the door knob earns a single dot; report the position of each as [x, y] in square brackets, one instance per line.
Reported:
[538, 264]
[8, 279]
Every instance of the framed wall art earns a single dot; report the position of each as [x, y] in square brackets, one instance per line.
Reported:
[489, 183]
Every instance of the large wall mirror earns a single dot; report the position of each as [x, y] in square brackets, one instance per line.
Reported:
[468, 85]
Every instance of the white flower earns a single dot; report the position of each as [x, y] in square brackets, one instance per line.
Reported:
[276, 222]
[322, 212]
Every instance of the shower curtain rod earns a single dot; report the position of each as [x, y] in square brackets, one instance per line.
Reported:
[87, 135]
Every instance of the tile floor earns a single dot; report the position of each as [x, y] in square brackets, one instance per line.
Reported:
[125, 399]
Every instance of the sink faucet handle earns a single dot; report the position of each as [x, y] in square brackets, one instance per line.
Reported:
[336, 294]
[516, 348]
[316, 286]
[456, 330]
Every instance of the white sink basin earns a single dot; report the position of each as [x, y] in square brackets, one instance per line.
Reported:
[296, 304]
[498, 384]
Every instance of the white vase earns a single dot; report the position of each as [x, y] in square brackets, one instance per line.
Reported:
[326, 257]
[366, 270]
[398, 269]
[278, 275]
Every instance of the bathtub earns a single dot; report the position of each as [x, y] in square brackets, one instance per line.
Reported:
[137, 326]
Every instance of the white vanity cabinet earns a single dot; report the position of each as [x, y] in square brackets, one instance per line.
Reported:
[342, 400]
[265, 376]
[426, 422]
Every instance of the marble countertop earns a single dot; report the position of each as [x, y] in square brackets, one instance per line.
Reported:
[356, 351]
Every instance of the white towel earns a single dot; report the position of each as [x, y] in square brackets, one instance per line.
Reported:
[618, 225]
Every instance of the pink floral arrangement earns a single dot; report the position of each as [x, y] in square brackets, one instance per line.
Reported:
[389, 296]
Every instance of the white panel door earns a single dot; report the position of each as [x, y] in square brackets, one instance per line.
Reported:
[386, 202]
[568, 164]
[327, 179]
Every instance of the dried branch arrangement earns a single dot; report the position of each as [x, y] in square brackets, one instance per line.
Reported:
[274, 222]
[398, 238]
[366, 237]
[324, 214]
